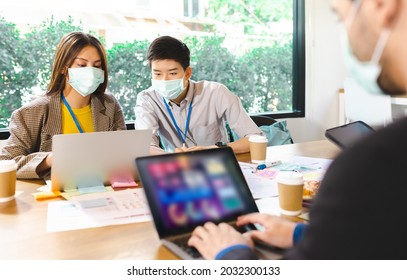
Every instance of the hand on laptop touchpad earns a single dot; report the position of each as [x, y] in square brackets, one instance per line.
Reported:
[259, 243]
[246, 228]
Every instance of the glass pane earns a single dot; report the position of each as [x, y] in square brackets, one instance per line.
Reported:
[244, 44]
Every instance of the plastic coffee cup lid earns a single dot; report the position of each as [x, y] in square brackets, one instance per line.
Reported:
[258, 138]
[7, 165]
[290, 178]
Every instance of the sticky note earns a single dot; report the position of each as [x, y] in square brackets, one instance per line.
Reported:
[90, 184]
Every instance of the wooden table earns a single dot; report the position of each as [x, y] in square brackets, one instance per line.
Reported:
[23, 223]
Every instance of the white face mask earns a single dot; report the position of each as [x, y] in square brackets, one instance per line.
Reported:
[86, 80]
[364, 73]
[169, 89]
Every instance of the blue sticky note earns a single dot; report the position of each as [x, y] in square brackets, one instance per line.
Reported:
[90, 184]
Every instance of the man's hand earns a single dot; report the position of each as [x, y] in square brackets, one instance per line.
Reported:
[210, 239]
[276, 231]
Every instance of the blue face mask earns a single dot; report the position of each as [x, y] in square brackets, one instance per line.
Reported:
[365, 73]
[86, 80]
[169, 89]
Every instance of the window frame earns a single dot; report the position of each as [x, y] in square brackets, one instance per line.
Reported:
[298, 66]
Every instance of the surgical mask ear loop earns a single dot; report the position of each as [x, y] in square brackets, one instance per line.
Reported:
[354, 10]
[380, 45]
[383, 38]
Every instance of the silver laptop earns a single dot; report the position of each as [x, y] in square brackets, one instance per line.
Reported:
[97, 155]
[185, 190]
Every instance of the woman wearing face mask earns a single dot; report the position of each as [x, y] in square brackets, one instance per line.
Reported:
[185, 114]
[75, 102]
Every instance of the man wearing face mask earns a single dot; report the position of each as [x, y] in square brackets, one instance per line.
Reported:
[187, 115]
[75, 102]
[359, 210]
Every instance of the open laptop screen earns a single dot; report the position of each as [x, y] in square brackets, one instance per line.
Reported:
[187, 189]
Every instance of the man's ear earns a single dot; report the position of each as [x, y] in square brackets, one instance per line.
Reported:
[188, 72]
[388, 11]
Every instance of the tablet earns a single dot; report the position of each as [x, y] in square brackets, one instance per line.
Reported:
[347, 135]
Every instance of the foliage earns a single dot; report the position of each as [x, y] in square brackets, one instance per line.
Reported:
[10, 71]
[262, 78]
[129, 73]
[271, 70]
[249, 13]
[210, 61]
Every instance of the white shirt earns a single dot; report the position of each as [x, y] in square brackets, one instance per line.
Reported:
[213, 106]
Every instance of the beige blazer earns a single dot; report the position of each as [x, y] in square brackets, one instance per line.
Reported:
[32, 127]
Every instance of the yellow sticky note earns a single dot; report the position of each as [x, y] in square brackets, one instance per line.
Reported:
[46, 195]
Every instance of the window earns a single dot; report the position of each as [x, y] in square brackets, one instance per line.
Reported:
[191, 8]
[256, 48]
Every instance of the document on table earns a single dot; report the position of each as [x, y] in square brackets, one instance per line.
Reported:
[98, 210]
[260, 187]
[312, 168]
[269, 205]
[262, 183]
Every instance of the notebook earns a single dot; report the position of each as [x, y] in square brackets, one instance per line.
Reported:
[187, 189]
[97, 156]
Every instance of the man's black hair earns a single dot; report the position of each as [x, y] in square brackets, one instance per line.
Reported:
[167, 47]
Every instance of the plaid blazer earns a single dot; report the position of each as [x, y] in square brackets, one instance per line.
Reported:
[32, 127]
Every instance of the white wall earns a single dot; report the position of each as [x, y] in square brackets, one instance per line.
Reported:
[324, 74]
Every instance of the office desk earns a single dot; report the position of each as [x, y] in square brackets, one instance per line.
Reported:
[23, 224]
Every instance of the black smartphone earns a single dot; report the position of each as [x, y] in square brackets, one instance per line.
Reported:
[347, 135]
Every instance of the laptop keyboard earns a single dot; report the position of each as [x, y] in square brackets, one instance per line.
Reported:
[182, 242]
[266, 251]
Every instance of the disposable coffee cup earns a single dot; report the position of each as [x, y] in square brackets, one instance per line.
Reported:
[258, 148]
[290, 191]
[8, 169]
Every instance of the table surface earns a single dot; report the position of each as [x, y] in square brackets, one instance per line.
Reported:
[23, 223]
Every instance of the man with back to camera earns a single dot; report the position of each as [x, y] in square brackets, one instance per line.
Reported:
[187, 115]
[358, 212]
